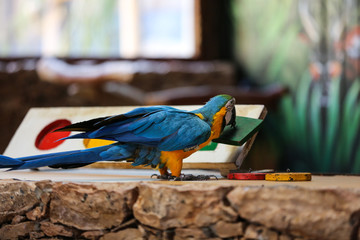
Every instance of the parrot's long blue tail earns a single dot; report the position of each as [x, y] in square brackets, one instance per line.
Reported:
[70, 159]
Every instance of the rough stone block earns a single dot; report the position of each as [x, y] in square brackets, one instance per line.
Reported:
[92, 234]
[127, 234]
[16, 198]
[311, 213]
[17, 230]
[91, 206]
[259, 232]
[164, 207]
[228, 229]
[191, 233]
[53, 230]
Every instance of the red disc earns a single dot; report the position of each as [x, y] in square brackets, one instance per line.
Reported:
[47, 138]
[246, 176]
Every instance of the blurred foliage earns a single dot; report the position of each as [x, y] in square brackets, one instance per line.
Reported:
[92, 31]
[317, 126]
[79, 28]
[269, 43]
[92, 28]
[318, 138]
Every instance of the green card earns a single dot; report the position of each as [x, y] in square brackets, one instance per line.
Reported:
[244, 130]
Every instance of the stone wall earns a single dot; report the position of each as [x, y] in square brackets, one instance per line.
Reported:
[42, 210]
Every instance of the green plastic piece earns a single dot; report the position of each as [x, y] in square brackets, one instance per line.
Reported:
[210, 147]
[244, 130]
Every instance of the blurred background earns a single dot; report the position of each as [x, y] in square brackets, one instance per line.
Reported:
[301, 58]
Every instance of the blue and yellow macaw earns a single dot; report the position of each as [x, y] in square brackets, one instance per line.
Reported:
[160, 136]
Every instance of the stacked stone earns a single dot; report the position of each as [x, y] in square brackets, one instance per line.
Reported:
[55, 210]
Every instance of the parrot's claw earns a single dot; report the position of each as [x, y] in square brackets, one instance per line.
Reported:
[191, 177]
[185, 177]
[163, 176]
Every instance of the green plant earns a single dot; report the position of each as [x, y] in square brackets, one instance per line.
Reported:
[268, 41]
[318, 137]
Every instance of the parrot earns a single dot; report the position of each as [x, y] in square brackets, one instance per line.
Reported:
[159, 136]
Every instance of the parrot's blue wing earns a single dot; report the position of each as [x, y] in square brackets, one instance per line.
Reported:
[163, 127]
[174, 130]
[67, 159]
[96, 123]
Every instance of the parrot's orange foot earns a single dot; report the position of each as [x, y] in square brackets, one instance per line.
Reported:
[190, 177]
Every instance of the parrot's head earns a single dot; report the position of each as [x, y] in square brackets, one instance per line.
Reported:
[217, 103]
